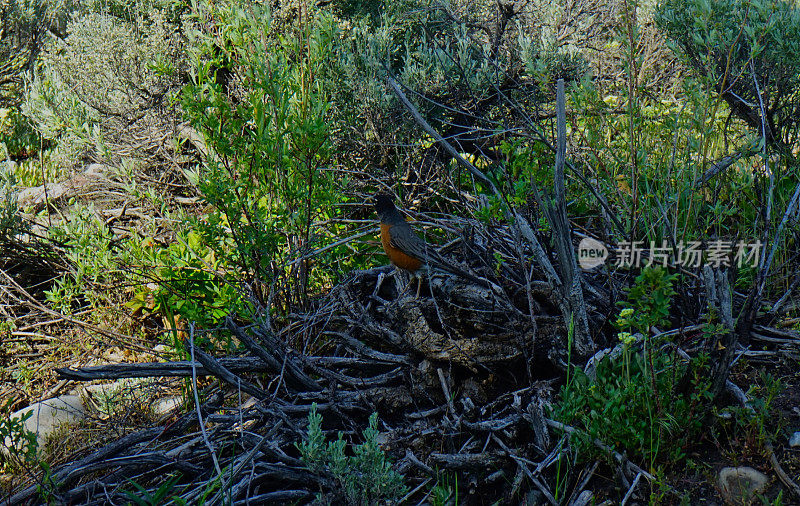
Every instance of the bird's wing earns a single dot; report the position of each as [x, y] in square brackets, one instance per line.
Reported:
[403, 238]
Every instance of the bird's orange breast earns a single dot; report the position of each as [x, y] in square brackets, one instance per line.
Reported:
[396, 255]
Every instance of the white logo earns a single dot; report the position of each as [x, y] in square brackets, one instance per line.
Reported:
[591, 253]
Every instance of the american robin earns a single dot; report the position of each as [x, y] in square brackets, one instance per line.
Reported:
[405, 248]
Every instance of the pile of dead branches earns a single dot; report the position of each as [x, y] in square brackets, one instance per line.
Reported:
[447, 371]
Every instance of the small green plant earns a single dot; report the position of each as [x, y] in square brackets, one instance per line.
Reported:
[762, 406]
[633, 402]
[19, 443]
[778, 501]
[10, 222]
[188, 283]
[366, 477]
[649, 300]
[184, 281]
[161, 495]
[754, 425]
[562, 477]
[445, 491]
[18, 140]
[90, 250]
[47, 485]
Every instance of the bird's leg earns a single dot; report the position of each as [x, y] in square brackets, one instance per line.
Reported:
[419, 283]
[402, 279]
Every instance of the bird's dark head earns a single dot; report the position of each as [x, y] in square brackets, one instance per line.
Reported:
[384, 204]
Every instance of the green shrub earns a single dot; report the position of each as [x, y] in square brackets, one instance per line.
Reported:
[25, 30]
[185, 282]
[746, 51]
[744, 56]
[10, 223]
[89, 249]
[445, 491]
[258, 102]
[366, 477]
[649, 301]
[181, 283]
[106, 86]
[633, 406]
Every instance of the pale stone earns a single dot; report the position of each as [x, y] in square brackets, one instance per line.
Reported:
[166, 405]
[739, 485]
[49, 415]
[95, 169]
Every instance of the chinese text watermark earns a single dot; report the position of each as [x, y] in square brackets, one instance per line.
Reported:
[691, 254]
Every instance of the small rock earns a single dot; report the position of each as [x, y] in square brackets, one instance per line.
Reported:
[96, 169]
[50, 414]
[165, 405]
[739, 485]
[794, 441]
[35, 196]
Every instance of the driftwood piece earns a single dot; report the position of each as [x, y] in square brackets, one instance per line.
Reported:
[451, 321]
[181, 369]
[466, 461]
[221, 372]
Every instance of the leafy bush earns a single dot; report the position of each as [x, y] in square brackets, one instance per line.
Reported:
[257, 100]
[745, 56]
[26, 24]
[467, 63]
[748, 52]
[106, 86]
[649, 301]
[18, 138]
[366, 477]
[185, 281]
[10, 222]
[25, 29]
[632, 405]
[89, 249]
